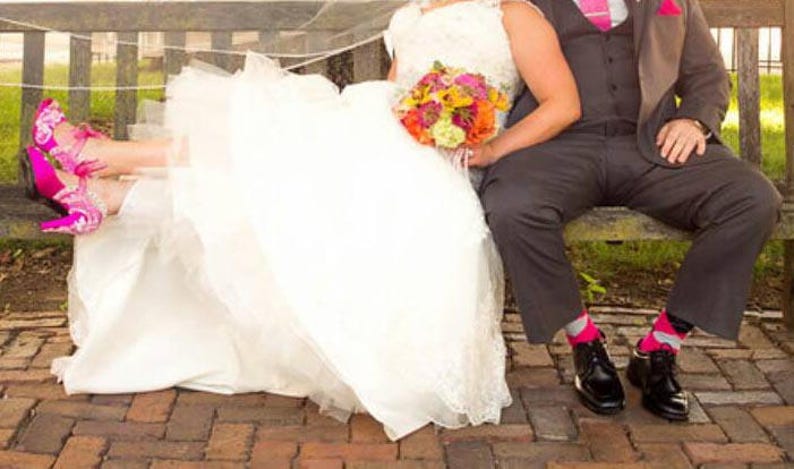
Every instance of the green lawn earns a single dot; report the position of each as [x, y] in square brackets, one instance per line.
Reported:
[772, 125]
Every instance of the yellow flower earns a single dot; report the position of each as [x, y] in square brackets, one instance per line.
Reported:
[455, 98]
[498, 99]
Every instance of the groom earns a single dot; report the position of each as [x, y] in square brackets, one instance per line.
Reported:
[634, 146]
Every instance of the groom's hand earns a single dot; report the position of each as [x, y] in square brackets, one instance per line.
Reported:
[482, 155]
[678, 138]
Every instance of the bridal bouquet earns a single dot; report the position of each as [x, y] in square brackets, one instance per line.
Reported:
[449, 108]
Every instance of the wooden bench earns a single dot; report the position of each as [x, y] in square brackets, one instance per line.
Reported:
[18, 218]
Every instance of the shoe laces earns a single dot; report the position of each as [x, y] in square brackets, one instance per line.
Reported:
[597, 353]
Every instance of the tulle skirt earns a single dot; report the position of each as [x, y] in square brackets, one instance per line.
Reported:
[300, 243]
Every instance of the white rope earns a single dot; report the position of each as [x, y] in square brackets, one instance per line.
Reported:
[80, 88]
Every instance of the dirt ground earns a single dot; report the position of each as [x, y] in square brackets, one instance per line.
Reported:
[35, 280]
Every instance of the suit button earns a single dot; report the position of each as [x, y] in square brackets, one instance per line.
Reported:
[613, 87]
[610, 59]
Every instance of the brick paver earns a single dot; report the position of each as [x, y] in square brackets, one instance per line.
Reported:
[743, 414]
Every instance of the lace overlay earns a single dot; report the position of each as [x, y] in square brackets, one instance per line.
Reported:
[361, 275]
[468, 35]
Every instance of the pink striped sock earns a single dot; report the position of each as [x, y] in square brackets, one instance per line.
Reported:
[662, 336]
[582, 330]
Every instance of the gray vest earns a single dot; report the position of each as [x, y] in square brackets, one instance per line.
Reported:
[604, 65]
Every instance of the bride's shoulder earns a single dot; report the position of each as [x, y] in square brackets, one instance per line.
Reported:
[520, 7]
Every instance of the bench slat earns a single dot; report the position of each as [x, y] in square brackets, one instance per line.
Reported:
[368, 62]
[79, 75]
[316, 41]
[749, 96]
[222, 40]
[788, 97]
[126, 75]
[283, 15]
[33, 74]
[174, 56]
[21, 216]
[743, 13]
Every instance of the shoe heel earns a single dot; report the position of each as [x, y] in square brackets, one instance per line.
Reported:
[61, 225]
[29, 179]
[631, 374]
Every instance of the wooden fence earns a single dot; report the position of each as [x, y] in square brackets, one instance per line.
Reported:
[366, 62]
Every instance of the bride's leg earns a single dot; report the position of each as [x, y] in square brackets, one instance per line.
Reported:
[111, 191]
[122, 157]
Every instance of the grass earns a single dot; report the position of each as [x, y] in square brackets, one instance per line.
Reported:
[772, 125]
[102, 103]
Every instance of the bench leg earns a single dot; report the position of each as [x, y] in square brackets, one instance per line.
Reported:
[788, 285]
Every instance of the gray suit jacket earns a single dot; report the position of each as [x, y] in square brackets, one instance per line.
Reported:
[677, 57]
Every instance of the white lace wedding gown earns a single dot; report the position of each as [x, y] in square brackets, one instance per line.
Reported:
[309, 248]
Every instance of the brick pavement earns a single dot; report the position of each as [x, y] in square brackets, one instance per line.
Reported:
[743, 414]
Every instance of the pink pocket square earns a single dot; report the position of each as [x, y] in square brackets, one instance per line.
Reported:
[669, 8]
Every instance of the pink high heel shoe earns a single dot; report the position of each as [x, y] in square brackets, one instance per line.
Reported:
[48, 116]
[83, 210]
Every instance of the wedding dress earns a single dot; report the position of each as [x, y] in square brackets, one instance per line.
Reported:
[306, 246]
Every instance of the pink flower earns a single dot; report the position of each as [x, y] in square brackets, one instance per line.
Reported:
[473, 85]
[434, 80]
[429, 114]
[465, 117]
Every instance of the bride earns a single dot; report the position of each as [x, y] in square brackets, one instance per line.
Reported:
[302, 243]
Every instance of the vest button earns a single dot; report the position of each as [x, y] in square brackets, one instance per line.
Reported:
[614, 87]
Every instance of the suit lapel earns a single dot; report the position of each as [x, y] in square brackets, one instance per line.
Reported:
[659, 42]
[639, 13]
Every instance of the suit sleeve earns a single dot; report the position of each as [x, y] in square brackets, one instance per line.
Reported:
[703, 83]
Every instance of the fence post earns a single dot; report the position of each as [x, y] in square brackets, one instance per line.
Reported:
[32, 74]
[749, 96]
[126, 76]
[174, 53]
[79, 76]
[788, 97]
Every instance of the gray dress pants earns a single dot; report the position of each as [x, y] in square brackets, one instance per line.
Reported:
[530, 195]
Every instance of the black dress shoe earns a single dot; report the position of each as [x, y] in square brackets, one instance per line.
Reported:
[654, 374]
[596, 380]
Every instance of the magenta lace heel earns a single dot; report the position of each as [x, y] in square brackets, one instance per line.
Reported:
[48, 116]
[40, 184]
[83, 210]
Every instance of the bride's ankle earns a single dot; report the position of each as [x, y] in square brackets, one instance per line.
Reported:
[93, 149]
[112, 192]
[66, 178]
[64, 134]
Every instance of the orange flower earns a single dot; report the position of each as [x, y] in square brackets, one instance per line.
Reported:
[484, 125]
[412, 121]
